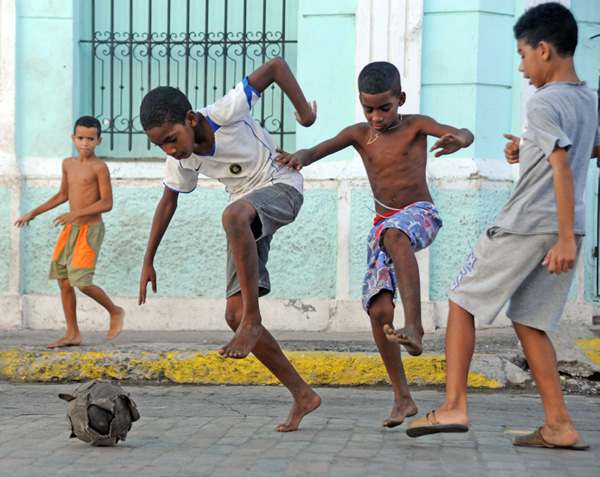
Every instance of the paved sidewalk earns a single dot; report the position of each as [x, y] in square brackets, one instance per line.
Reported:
[321, 358]
[228, 430]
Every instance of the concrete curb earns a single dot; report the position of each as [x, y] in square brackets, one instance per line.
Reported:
[317, 368]
[322, 359]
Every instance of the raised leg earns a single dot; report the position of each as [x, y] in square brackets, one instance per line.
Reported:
[72, 336]
[406, 270]
[117, 314]
[381, 313]
[268, 352]
[237, 222]
[541, 358]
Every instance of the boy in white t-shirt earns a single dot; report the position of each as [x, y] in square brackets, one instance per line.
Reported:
[224, 142]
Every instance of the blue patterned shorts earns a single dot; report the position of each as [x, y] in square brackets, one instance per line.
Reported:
[420, 222]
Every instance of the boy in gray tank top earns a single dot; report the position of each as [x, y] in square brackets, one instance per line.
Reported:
[539, 230]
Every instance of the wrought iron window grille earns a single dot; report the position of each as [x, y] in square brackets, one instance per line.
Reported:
[125, 62]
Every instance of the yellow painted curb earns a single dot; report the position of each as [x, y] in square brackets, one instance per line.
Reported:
[317, 368]
[591, 348]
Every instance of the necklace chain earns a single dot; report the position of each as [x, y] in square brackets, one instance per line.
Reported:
[373, 139]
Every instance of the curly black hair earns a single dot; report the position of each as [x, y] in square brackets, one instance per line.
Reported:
[163, 105]
[550, 22]
[88, 122]
[379, 77]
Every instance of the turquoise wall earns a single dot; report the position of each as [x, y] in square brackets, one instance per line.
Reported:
[191, 258]
[470, 77]
[5, 226]
[587, 62]
[467, 69]
[326, 50]
[361, 222]
[466, 214]
[44, 71]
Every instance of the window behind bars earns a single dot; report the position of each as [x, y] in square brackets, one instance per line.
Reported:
[202, 47]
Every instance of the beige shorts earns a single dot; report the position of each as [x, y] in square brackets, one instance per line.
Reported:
[76, 254]
[508, 267]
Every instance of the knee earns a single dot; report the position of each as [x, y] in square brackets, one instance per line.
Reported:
[235, 218]
[64, 284]
[84, 289]
[381, 314]
[395, 237]
[233, 318]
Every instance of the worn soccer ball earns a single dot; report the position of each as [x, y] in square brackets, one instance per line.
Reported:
[100, 413]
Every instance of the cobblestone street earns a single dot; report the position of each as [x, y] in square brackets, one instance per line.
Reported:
[228, 430]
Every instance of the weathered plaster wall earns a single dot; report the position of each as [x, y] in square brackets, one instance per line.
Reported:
[5, 226]
[467, 76]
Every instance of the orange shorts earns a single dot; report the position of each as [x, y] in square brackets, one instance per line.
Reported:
[76, 254]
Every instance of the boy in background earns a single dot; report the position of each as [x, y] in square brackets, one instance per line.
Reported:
[86, 185]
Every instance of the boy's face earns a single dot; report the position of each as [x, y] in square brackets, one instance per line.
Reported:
[381, 110]
[86, 140]
[177, 140]
[533, 62]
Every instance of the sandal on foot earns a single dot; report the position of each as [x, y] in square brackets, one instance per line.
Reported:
[432, 426]
[535, 439]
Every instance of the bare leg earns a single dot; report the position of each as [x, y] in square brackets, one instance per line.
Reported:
[541, 358]
[117, 314]
[72, 336]
[406, 269]
[269, 353]
[237, 221]
[381, 313]
[460, 344]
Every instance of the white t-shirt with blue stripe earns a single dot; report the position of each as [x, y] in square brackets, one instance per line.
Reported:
[243, 156]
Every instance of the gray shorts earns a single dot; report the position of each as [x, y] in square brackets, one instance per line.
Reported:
[276, 206]
[505, 266]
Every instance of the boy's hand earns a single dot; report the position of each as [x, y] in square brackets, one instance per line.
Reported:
[561, 257]
[308, 117]
[511, 151]
[290, 160]
[148, 275]
[448, 144]
[23, 221]
[65, 219]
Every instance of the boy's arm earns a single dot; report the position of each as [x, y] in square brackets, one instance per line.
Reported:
[450, 139]
[277, 71]
[561, 257]
[162, 217]
[305, 157]
[104, 204]
[57, 199]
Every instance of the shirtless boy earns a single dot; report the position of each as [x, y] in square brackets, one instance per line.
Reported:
[86, 185]
[224, 142]
[393, 148]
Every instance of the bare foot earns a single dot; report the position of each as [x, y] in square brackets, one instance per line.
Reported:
[299, 410]
[116, 324]
[411, 337]
[400, 411]
[66, 340]
[243, 340]
[444, 416]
